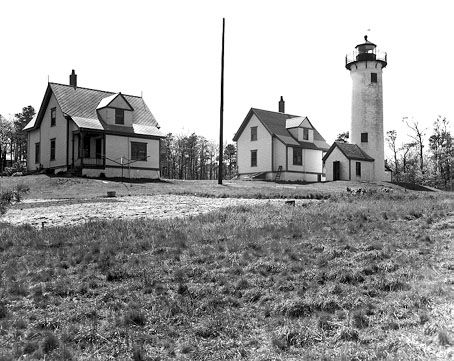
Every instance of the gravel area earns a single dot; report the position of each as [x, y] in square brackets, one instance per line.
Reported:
[61, 213]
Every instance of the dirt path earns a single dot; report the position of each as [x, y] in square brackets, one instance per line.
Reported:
[60, 212]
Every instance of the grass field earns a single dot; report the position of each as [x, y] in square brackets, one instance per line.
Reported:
[45, 187]
[354, 277]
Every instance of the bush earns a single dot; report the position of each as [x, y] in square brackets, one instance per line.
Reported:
[30, 347]
[135, 317]
[49, 343]
[3, 310]
[8, 196]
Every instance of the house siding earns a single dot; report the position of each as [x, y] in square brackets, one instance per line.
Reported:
[367, 171]
[34, 137]
[108, 115]
[263, 145]
[47, 133]
[279, 159]
[337, 155]
[119, 102]
[312, 163]
[348, 167]
[120, 146]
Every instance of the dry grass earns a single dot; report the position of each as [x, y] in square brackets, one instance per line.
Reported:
[45, 187]
[352, 278]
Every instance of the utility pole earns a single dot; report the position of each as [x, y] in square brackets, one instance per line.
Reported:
[221, 152]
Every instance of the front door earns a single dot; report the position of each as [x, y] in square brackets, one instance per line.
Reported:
[336, 170]
[98, 146]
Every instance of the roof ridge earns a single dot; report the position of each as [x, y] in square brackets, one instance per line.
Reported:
[271, 111]
[98, 90]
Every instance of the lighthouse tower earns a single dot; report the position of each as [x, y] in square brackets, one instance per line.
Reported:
[366, 66]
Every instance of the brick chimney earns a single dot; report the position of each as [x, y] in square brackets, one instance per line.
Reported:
[281, 105]
[73, 79]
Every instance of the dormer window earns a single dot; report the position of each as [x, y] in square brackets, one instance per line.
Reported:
[119, 116]
[305, 134]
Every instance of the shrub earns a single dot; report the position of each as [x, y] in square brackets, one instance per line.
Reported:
[49, 343]
[325, 322]
[18, 289]
[208, 329]
[348, 334]
[65, 354]
[279, 342]
[6, 358]
[20, 324]
[138, 353]
[3, 310]
[359, 319]
[135, 317]
[295, 308]
[443, 338]
[30, 347]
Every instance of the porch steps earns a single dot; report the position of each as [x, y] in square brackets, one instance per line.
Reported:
[76, 171]
[277, 178]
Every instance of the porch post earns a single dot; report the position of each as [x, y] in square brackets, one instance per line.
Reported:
[81, 148]
[73, 151]
[104, 150]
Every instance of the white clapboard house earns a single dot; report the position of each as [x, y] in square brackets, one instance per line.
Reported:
[93, 133]
[279, 146]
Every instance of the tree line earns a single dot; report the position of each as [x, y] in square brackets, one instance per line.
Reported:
[195, 157]
[13, 138]
[423, 157]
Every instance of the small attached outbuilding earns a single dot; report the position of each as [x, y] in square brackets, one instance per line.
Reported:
[345, 161]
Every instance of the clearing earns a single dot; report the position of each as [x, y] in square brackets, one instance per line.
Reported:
[352, 277]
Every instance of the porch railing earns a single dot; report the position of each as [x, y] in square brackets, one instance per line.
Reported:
[81, 162]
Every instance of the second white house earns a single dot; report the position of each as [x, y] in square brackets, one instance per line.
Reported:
[279, 146]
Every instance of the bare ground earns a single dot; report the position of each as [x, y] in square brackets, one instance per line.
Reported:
[61, 212]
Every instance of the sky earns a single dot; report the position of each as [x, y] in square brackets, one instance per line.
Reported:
[170, 51]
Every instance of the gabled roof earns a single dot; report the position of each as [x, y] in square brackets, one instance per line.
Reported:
[351, 151]
[108, 100]
[294, 122]
[275, 123]
[80, 105]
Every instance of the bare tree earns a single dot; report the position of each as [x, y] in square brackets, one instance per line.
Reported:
[442, 149]
[6, 133]
[391, 136]
[417, 135]
[406, 148]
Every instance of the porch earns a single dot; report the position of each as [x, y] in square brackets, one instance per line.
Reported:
[88, 150]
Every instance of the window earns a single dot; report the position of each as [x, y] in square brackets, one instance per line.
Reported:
[253, 133]
[297, 156]
[305, 134]
[358, 169]
[53, 117]
[52, 149]
[37, 153]
[253, 158]
[119, 116]
[364, 138]
[373, 77]
[138, 151]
